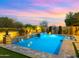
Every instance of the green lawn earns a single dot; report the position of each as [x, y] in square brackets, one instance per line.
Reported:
[5, 53]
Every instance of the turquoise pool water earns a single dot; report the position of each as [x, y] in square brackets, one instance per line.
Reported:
[48, 43]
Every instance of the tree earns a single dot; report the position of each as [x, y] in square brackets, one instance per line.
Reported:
[18, 25]
[30, 26]
[60, 30]
[69, 19]
[76, 19]
[21, 31]
[72, 19]
[50, 29]
[27, 25]
[6, 22]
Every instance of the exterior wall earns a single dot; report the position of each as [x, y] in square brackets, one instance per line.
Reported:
[1, 36]
[69, 30]
[73, 30]
[12, 34]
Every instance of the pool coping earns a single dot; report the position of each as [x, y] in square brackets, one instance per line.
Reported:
[27, 51]
[37, 54]
[67, 49]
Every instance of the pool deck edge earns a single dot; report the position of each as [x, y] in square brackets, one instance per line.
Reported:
[66, 51]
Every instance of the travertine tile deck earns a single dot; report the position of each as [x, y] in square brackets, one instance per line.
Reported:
[77, 45]
[67, 49]
[77, 38]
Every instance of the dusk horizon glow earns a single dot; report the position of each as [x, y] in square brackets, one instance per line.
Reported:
[35, 11]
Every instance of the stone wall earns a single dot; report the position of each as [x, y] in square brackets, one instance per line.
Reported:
[73, 30]
[12, 34]
[69, 30]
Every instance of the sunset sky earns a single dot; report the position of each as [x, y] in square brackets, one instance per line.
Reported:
[35, 11]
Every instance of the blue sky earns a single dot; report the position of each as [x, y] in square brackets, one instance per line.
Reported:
[35, 11]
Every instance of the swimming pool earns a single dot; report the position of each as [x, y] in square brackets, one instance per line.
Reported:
[48, 43]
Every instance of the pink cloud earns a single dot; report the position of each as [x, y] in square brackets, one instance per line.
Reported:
[58, 24]
[34, 13]
[33, 16]
[54, 1]
[51, 13]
